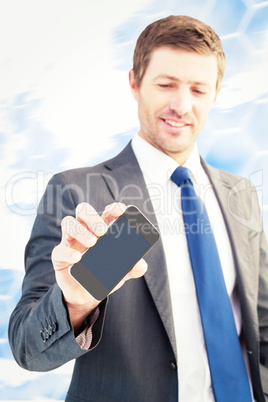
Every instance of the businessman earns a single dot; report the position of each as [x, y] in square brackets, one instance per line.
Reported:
[190, 322]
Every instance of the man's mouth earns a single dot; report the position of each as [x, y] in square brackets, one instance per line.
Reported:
[173, 123]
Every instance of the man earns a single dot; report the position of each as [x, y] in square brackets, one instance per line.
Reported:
[146, 343]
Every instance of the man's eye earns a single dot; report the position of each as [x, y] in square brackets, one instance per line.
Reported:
[199, 92]
[164, 85]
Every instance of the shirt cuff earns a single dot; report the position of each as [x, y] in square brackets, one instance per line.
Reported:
[84, 339]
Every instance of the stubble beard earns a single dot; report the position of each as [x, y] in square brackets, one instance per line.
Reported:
[172, 147]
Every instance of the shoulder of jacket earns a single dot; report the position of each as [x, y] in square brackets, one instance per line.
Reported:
[229, 177]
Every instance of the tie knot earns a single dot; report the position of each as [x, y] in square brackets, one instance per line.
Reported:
[180, 175]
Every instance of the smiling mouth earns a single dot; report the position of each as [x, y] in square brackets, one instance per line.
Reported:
[177, 124]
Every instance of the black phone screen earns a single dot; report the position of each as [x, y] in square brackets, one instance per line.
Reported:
[122, 243]
[115, 253]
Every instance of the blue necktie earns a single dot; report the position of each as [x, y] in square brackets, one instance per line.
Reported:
[227, 368]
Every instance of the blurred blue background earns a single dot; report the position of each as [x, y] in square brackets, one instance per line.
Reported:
[65, 102]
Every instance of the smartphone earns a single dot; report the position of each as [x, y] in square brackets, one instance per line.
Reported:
[127, 239]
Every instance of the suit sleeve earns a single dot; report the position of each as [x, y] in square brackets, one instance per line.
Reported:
[40, 332]
[263, 302]
[263, 312]
[259, 256]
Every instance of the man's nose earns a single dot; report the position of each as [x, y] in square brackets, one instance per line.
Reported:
[181, 101]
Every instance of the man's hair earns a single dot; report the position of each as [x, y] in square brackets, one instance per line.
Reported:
[179, 32]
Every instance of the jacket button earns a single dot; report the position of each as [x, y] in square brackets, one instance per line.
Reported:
[46, 333]
[173, 365]
[50, 330]
[54, 326]
[43, 336]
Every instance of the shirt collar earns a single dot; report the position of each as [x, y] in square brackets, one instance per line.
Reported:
[194, 164]
[157, 167]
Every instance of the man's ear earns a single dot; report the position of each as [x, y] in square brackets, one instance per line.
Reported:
[133, 84]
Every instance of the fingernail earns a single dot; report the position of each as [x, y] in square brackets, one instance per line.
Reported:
[100, 229]
[90, 240]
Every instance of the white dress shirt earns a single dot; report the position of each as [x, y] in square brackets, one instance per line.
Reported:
[157, 167]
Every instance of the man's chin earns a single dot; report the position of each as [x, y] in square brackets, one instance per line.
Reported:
[178, 151]
[170, 144]
[177, 146]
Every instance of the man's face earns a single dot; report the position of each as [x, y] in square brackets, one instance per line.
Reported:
[176, 93]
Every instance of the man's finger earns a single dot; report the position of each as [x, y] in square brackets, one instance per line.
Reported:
[62, 256]
[74, 230]
[113, 211]
[88, 217]
[138, 270]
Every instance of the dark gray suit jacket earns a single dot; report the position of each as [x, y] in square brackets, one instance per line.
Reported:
[133, 354]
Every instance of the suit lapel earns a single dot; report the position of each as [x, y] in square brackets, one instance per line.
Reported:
[128, 186]
[232, 207]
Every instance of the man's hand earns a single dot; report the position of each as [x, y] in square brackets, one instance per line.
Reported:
[79, 234]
